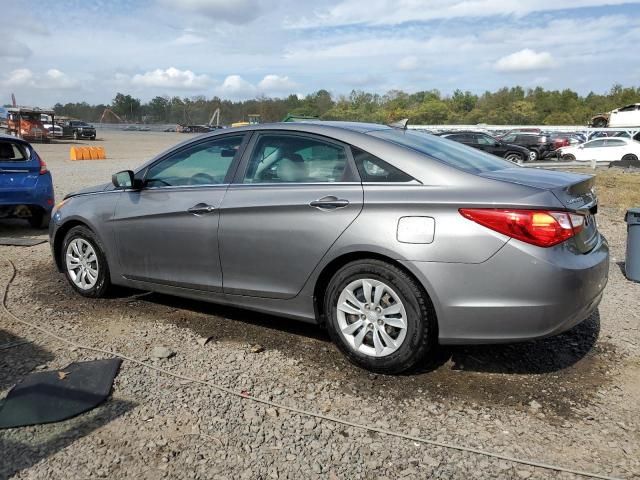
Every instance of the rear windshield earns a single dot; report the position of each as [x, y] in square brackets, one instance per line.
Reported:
[12, 152]
[446, 151]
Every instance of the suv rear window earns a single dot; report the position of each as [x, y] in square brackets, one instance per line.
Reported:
[12, 152]
[446, 151]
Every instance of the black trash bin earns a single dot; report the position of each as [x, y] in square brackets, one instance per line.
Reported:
[632, 260]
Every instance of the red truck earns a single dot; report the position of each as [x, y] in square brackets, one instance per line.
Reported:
[26, 123]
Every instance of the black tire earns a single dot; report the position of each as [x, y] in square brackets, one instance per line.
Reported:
[534, 155]
[103, 283]
[75, 135]
[93, 138]
[421, 336]
[630, 157]
[568, 157]
[515, 157]
[600, 122]
[39, 219]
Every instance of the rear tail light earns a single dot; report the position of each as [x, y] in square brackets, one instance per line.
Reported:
[543, 228]
[43, 166]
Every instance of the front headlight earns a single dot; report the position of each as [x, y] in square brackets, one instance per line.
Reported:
[59, 205]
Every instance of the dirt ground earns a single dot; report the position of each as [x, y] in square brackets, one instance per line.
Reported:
[571, 400]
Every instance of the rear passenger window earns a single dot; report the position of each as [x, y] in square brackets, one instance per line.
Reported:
[373, 169]
[12, 152]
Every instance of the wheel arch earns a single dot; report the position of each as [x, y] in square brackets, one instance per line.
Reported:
[323, 279]
[58, 239]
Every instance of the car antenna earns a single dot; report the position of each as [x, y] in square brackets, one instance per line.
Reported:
[400, 124]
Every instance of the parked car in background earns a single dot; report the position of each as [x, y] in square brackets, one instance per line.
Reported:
[538, 145]
[54, 130]
[392, 239]
[627, 116]
[605, 149]
[26, 188]
[79, 130]
[489, 144]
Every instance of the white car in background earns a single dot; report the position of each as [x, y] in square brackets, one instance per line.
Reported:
[54, 130]
[628, 116]
[604, 148]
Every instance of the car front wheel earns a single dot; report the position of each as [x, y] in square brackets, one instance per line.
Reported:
[379, 317]
[569, 157]
[84, 263]
[533, 155]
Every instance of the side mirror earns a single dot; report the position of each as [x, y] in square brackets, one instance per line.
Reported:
[123, 179]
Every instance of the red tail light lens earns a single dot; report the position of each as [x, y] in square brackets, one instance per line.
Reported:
[538, 227]
[43, 166]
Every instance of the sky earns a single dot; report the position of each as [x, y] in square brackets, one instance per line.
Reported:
[88, 50]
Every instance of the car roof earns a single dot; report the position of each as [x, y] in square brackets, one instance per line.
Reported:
[12, 138]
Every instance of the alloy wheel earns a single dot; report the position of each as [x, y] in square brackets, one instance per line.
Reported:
[82, 263]
[371, 317]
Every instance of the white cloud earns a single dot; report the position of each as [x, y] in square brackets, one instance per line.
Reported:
[54, 78]
[189, 38]
[393, 12]
[51, 79]
[169, 78]
[408, 63]
[524, 61]
[276, 84]
[17, 78]
[235, 86]
[232, 11]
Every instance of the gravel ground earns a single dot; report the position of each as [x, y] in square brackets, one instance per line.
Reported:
[571, 400]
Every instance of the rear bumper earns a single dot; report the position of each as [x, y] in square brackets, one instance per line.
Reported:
[39, 195]
[521, 293]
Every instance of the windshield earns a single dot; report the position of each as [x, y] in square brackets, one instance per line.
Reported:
[446, 151]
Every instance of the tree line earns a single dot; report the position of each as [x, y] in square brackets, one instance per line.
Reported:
[514, 105]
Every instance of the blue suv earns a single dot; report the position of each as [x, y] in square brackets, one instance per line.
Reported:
[26, 188]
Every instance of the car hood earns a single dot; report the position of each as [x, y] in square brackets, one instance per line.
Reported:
[95, 189]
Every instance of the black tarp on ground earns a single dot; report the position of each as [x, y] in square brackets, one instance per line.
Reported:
[21, 241]
[45, 397]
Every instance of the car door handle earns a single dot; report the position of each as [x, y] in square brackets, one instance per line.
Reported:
[201, 208]
[329, 203]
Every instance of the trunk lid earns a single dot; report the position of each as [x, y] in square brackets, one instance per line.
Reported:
[19, 169]
[573, 190]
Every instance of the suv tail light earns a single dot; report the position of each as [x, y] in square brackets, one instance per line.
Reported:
[544, 228]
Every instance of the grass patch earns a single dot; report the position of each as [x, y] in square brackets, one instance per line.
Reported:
[617, 189]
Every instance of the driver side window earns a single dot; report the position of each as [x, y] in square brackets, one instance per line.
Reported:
[205, 163]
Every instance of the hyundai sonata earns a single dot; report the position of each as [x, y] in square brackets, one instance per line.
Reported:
[393, 239]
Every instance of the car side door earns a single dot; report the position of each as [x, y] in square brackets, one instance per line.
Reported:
[593, 150]
[488, 144]
[294, 195]
[167, 231]
[614, 149]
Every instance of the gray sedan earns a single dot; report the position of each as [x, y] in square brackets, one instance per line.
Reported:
[395, 240]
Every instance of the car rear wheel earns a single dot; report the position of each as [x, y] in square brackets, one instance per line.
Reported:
[39, 219]
[379, 317]
[515, 157]
[84, 263]
[630, 157]
[568, 157]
